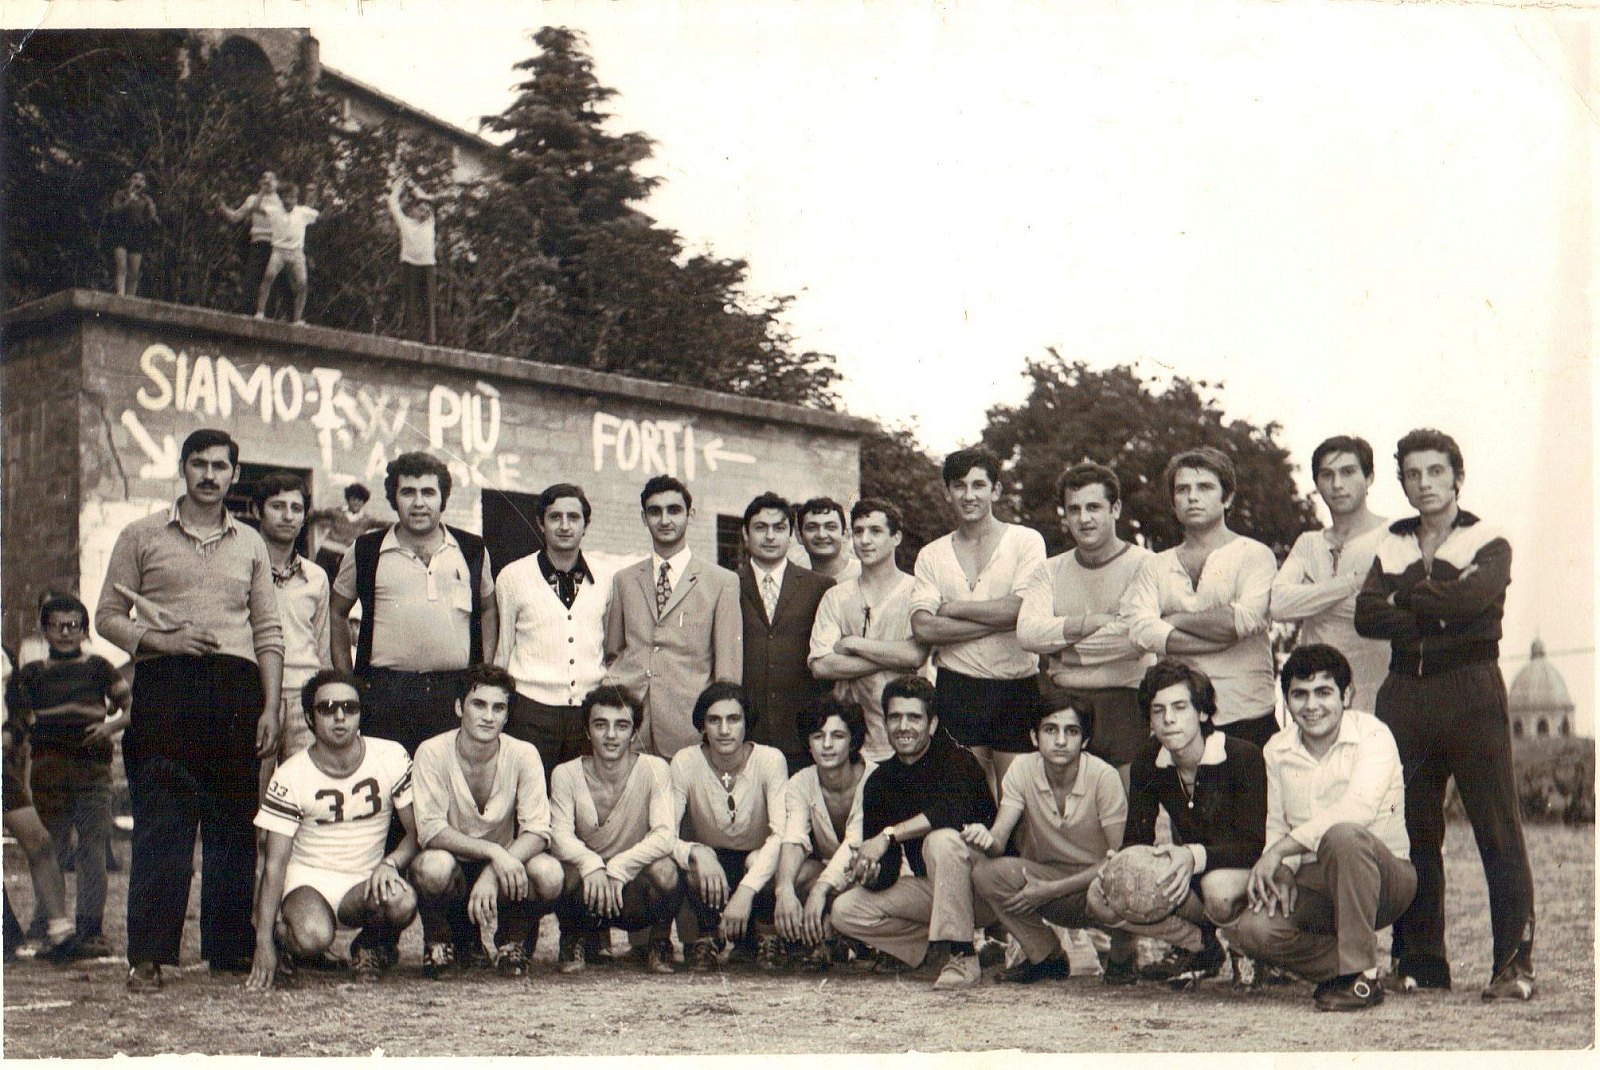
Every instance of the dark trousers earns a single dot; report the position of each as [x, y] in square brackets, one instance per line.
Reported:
[1256, 730]
[409, 707]
[72, 792]
[256, 255]
[416, 291]
[644, 906]
[709, 918]
[445, 919]
[329, 561]
[556, 731]
[1455, 724]
[190, 758]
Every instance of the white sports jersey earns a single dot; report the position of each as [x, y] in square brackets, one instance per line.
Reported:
[338, 823]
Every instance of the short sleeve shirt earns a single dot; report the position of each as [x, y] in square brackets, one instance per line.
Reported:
[1073, 834]
[422, 610]
[338, 823]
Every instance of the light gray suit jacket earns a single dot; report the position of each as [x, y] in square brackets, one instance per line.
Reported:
[665, 663]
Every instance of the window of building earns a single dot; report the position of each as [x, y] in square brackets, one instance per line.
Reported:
[1543, 728]
[509, 528]
[1516, 729]
[241, 499]
[730, 541]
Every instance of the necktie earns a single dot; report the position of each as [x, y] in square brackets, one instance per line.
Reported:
[663, 589]
[769, 595]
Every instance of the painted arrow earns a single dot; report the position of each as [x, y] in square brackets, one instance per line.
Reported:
[714, 453]
[163, 463]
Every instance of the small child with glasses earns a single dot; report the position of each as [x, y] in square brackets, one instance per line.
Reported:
[78, 702]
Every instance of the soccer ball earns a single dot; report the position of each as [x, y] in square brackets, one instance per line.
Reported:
[1132, 882]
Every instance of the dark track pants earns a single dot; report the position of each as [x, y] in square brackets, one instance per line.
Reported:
[1456, 724]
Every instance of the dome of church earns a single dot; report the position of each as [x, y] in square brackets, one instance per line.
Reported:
[1539, 701]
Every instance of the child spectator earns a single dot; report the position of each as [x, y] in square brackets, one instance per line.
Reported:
[258, 207]
[289, 223]
[132, 222]
[66, 698]
[417, 259]
[21, 822]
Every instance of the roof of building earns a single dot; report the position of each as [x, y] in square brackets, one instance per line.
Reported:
[1539, 687]
[356, 86]
[88, 304]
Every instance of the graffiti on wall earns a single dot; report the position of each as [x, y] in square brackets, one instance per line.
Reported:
[657, 447]
[358, 425]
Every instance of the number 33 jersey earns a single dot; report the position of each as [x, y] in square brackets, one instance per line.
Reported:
[338, 823]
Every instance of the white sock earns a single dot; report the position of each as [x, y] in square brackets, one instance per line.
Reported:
[60, 929]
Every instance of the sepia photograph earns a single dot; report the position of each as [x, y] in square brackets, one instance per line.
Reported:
[798, 528]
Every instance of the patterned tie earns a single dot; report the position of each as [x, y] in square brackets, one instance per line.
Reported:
[663, 589]
[769, 595]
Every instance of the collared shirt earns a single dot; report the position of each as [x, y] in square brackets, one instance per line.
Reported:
[1237, 575]
[564, 583]
[1222, 820]
[1317, 586]
[1064, 588]
[422, 610]
[442, 797]
[809, 824]
[555, 652]
[1359, 780]
[755, 821]
[675, 566]
[640, 828]
[1073, 834]
[992, 657]
[303, 610]
[220, 581]
[843, 611]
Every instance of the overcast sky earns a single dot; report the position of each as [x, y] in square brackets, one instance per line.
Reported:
[1361, 217]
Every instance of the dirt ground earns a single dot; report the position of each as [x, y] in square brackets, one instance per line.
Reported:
[84, 1011]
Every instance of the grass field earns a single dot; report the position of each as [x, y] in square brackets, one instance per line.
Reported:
[84, 1011]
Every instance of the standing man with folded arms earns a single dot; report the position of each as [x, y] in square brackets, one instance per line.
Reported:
[1437, 592]
[1318, 581]
[1205, 601]
[209, 650]
[1069, 614]
[967, 609]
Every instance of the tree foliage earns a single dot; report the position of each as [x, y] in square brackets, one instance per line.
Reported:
[549, 260]
[895, 469]
[1116, 417]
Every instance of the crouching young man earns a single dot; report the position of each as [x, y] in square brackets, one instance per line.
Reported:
[1068, 810]
[612, 826]
[326, 813]
[728, 796]
[821, 826]
[483, 821]
[1337, 865]
[1214, 790]
[918, 801]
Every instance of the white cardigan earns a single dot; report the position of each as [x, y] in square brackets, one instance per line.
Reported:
[555, 654]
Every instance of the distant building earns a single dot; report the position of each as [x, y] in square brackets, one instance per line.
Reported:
[1539, 700]
[268, 53]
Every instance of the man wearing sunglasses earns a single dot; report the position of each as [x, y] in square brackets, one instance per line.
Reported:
[326, 814]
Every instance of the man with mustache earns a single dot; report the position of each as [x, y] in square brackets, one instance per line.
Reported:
[209, 648]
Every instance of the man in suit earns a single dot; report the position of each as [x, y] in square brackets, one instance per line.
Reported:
[673, 625]
[778, 601]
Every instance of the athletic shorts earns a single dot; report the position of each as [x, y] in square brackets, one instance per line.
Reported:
[16, 769]
[293, 259]
[987, 713]
[1121, 729]
[332, 884]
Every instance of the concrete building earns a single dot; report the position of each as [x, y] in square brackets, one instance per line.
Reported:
[1539, 701]
[267, 53]
[99, 392]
